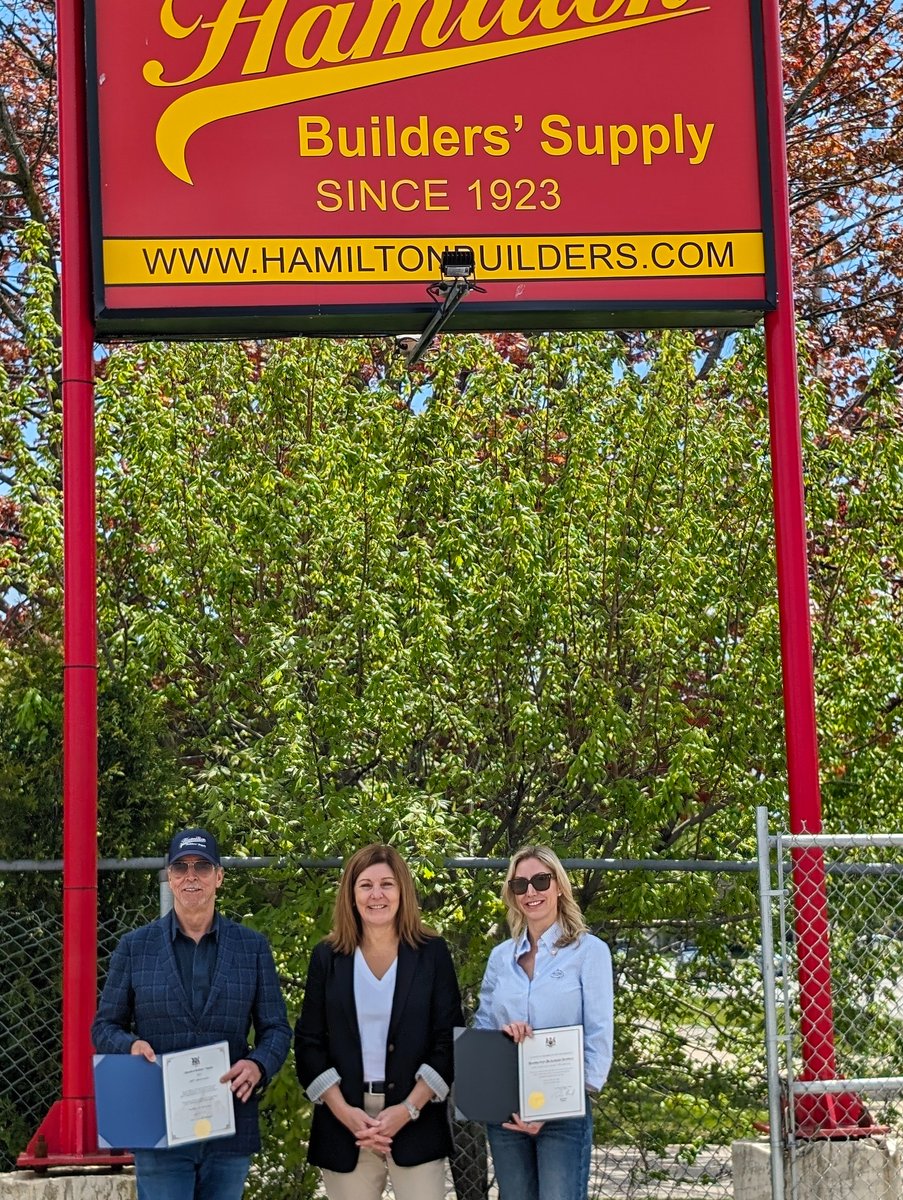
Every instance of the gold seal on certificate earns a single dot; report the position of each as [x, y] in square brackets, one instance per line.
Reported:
[551, 1074]
[198, 1106]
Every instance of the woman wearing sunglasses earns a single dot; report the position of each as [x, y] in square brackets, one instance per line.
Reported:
[550, 972]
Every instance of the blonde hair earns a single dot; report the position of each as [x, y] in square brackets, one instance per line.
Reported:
[569, 918]
[347, 931]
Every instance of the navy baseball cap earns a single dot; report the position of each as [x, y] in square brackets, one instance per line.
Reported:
[194, 841]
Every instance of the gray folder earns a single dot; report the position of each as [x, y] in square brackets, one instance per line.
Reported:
[486, 1076]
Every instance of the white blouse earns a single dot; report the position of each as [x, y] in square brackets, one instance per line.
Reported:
[373, 1001]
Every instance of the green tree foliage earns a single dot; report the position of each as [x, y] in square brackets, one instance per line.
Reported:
[530, 595]
[133, 745]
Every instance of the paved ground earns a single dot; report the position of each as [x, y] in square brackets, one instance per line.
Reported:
[621, 1173]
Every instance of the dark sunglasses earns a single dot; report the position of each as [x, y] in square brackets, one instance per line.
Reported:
[201, 867]
[541, 883]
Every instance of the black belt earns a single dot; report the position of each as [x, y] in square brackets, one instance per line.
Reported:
[376, 1088]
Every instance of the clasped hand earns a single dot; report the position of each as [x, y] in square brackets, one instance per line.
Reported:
[376, 1133]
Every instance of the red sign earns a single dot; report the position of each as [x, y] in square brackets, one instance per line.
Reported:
[270, 166]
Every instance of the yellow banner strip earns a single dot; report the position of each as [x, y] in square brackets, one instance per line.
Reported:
[153, 261]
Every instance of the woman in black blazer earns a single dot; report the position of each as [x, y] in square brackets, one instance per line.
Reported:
[373, 1044]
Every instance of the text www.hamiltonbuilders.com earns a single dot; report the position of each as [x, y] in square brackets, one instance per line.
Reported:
[137, 261]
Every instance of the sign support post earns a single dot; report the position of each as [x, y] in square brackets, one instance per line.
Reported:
[827, 1115]
[68, 1134]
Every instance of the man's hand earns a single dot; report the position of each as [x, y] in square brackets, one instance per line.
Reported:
[145, 1049]
[243, 1077]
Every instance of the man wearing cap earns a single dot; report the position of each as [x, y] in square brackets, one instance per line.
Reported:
[192, 978]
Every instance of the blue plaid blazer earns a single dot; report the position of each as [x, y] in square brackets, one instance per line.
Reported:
[143, 997]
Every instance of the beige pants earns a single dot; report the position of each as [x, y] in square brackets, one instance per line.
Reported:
[368, 1180]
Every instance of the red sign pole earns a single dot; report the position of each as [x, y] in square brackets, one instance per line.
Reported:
[68, 1134]
[825, 1116]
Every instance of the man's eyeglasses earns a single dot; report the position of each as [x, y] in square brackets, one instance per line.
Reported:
[202, 867]
[541, 883]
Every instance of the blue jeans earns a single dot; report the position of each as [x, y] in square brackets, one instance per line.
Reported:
[197, 1172]
[553, 1165]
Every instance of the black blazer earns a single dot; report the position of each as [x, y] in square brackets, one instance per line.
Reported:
[425, 1009]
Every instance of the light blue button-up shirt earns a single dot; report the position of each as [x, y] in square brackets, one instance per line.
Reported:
[571, 985]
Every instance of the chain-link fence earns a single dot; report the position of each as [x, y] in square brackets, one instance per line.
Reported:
[836, 910]
[31, 928]
[689, 1070]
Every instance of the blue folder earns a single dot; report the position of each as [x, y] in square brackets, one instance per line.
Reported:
[128, 1094]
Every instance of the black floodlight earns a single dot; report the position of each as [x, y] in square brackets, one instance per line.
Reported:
[458, 263]
[457, 267]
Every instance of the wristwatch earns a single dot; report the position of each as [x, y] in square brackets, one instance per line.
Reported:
[413, 1110]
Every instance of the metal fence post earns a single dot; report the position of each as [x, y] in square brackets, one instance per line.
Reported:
[769, 987]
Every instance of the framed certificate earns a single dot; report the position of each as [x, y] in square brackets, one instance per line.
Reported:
[171, 1102]
[550, 1068]
[198, 1106]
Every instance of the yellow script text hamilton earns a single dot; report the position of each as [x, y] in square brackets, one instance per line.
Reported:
[333, 48]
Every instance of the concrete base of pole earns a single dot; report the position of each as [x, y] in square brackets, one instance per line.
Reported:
[87, 1185]
[860, 1169]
